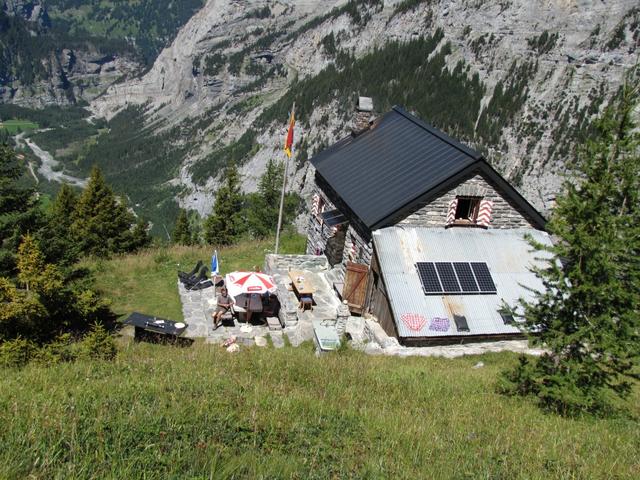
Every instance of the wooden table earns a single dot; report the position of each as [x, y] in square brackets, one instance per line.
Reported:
[304, 287]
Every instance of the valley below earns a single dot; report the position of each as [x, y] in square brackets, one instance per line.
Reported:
[520, 81]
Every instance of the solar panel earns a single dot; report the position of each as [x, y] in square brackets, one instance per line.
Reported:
[465, 277]
[447, 277]
[483, 276]
[455, 278]
[428, 277]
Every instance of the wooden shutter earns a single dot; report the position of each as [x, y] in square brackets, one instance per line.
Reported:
[484, 213]
[451, 215]
[315, 205]
[355, 286]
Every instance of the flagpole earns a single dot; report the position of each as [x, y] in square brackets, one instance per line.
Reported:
[284, 184]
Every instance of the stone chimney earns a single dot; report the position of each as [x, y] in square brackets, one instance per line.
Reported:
[364, 112]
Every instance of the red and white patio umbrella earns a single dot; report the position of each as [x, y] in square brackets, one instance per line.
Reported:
[239, 283]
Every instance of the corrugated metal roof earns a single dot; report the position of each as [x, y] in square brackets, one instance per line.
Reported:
[399, 158]
[506, 253]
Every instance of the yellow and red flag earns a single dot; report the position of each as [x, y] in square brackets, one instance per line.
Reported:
[289, 141]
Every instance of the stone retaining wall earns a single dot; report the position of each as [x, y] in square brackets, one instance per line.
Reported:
[283, 263]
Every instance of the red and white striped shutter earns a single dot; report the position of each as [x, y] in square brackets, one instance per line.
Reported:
[315, 205]
[484, 213]
[451, 215]
[352, 250]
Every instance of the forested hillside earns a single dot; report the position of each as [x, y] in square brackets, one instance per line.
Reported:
[521, 81]
[68, 51]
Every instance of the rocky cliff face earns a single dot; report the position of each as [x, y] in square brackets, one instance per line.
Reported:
[72, 76]
[36, 74]
[547, 67]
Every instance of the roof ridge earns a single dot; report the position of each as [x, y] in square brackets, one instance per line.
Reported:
[438, 133]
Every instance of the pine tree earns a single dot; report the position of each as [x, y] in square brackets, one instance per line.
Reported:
[588, 316]
[102, 224]
[263, 207]
[140, 237]
[18, 210]
[56, 237]
[225, 225]
[64, 206]
[182, 231]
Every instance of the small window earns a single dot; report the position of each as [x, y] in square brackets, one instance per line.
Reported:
[467, 209]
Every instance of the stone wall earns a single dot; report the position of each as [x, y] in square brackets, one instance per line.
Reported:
[505, 213]
[283, 263]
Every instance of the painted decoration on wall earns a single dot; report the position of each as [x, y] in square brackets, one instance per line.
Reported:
[413, 321]
[439, 324]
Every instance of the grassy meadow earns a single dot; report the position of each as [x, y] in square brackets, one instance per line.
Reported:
[16, 125]
[147, 282]
[199, 412]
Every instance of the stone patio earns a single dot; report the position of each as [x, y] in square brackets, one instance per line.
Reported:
[297, 325]
[197, 307]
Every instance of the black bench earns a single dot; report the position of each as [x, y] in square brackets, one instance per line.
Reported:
[156, 330]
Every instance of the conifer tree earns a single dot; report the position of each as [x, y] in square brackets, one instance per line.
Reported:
[225, 224]
[140, 237]
[262, 207]
[42, 302]
[18, 210]
[102, 224]
[56, 238]
[588, 317]
[182, 231]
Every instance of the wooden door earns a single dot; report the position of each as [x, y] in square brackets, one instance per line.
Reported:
[355, 286]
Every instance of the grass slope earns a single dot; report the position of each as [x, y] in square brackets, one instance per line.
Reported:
[147, 282]
[16, 125]
[165, 412]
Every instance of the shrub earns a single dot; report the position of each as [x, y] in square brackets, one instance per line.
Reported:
[62, 349]
[17, 352]
[98, 344]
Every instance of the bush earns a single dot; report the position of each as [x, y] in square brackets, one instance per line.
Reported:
[98, 344]
[62, 349]
[17, 352]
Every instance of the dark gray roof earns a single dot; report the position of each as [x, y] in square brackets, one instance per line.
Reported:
[395, 163]
[384, 168]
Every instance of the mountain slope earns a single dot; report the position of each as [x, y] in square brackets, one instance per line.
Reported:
[69, 51]
[520, 80]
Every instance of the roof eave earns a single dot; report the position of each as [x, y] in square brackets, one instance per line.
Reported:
[481, 164]
[425, 196]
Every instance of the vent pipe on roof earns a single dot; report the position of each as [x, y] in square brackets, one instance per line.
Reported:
[363, 117]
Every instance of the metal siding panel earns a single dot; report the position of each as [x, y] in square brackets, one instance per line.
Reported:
[506, 253]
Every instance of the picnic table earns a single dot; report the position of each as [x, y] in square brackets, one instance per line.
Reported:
[303, 287]
[149, 328]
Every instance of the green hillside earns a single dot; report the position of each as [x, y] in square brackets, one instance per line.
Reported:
[140, 28]
[200, 412]
[152, 24]
[146, 282]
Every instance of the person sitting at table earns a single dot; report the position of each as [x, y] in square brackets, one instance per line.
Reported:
[225, 302]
